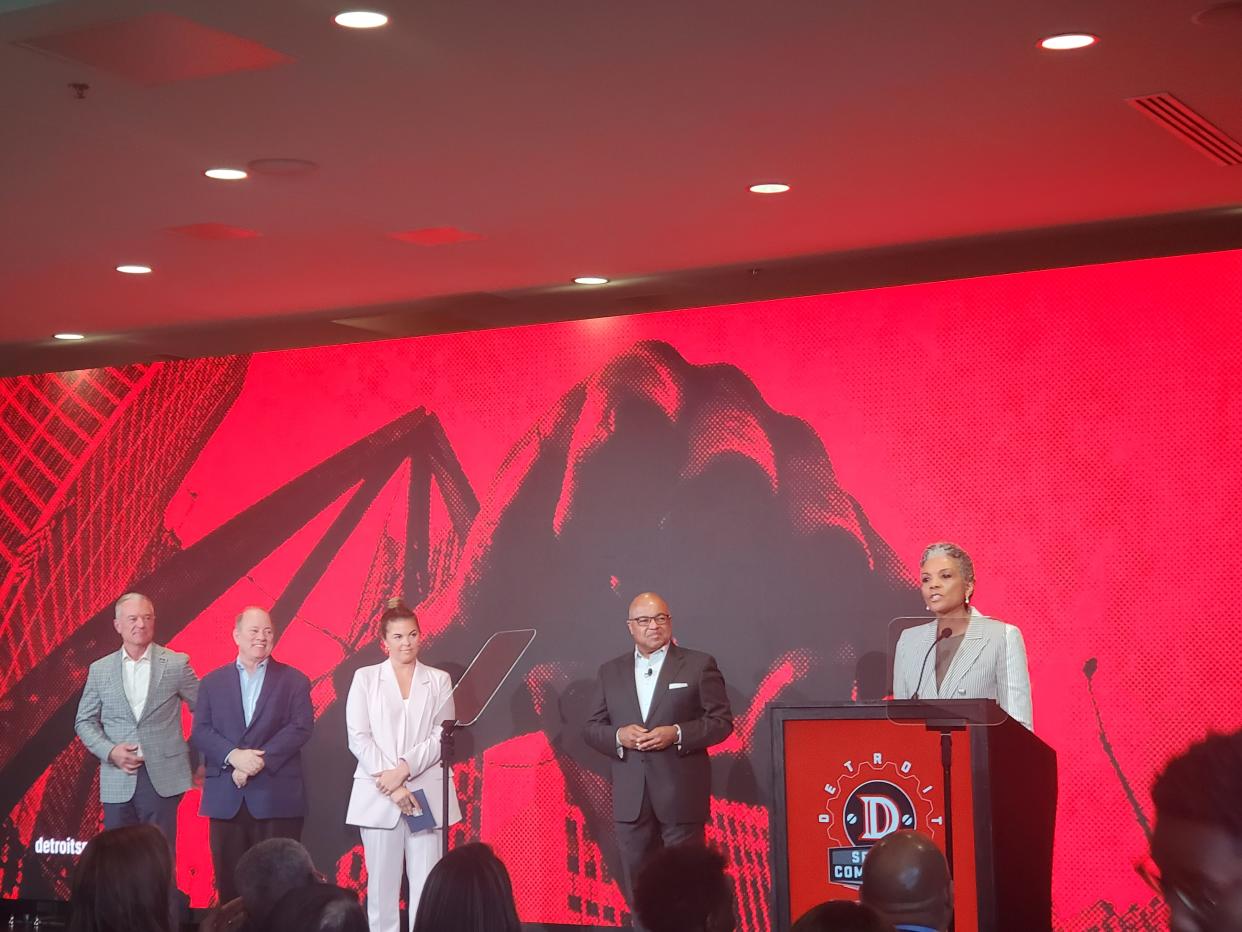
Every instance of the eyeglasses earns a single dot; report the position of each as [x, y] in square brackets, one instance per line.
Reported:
[652, 621]
[1200, 903]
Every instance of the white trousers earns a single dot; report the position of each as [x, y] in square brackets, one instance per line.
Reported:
[384, 850]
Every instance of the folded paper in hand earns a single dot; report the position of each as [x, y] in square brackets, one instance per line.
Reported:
[422, 819]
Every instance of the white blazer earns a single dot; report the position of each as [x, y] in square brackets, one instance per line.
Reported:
[990, 664]
[377, 718]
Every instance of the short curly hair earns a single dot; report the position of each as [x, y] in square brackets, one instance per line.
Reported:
[950, 549]
[1204, 784]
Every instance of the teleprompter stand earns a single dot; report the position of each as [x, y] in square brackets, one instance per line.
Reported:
[476, 688]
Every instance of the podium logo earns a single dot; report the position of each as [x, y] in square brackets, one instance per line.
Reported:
[872, 798]
[875, 809]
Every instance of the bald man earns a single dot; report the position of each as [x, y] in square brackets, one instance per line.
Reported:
[252, 718]
[657, 709]
[906, 880]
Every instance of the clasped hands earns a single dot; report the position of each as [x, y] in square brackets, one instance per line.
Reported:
[391, 783]
[126, 757]
[638, 738]
[246, 763]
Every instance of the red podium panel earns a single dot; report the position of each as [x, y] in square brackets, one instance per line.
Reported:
[846, 775]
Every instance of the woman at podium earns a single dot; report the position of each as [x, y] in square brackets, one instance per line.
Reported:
[392, 715]
[961, 653]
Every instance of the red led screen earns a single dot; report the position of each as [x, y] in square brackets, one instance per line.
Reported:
[773, 469]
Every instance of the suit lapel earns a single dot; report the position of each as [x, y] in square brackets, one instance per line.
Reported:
[235, 697]
[420, 694]
[118, 679]
[158, 659]
[629, 689]
[391, 705]
[673, 662]
[972, 645]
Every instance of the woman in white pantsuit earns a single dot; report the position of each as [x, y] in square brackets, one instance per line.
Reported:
[980, 658]
[393, 716]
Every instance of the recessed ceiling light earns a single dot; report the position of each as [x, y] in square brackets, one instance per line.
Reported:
[68, 336]
[1068, 40]
[134, 269]
[226, 174]
[361, 19]
[769, 187]
[590, 280]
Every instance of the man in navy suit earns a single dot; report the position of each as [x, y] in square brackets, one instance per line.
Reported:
[252, 718]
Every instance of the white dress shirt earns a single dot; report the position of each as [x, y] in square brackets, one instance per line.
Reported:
[136, 679]
[646, 673]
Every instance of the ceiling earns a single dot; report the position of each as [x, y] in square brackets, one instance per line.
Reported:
[606, 138]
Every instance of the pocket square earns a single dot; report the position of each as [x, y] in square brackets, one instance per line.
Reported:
[678, 685]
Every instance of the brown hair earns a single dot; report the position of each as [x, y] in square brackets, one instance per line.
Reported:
[123, 883]
[397, 610]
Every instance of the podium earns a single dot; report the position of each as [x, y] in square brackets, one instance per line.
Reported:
[846, 774]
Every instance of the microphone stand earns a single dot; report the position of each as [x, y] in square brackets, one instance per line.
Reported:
[946, 730]
[447, 727]
[1088, 670]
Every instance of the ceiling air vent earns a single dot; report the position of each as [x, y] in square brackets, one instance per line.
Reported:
[1190, 127]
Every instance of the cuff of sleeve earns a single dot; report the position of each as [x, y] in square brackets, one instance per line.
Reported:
[620, 747]
[678, 727]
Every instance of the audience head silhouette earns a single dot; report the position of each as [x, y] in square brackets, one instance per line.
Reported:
[320, 907]
[906, 880]
[468, 891]
[267, 872]
[841, 916]
[684, 888]
[123, 883]
[1197, 843]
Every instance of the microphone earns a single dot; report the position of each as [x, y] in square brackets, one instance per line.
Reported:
[648, 673]
[943, 633]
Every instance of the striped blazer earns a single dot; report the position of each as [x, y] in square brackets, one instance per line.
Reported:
[990, 664]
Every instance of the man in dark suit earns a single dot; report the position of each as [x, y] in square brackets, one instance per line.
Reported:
[658, 708]
[252, 718]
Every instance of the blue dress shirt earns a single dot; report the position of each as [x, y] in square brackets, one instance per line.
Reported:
[251, 686]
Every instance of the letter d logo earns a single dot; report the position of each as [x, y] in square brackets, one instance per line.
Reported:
[880, 817]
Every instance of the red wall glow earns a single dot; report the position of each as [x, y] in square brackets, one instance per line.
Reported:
[1079, 431]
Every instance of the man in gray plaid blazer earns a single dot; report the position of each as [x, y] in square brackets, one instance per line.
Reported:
[130, 718]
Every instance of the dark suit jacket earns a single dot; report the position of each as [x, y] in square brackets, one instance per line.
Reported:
[679, 781]
[282, 723]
